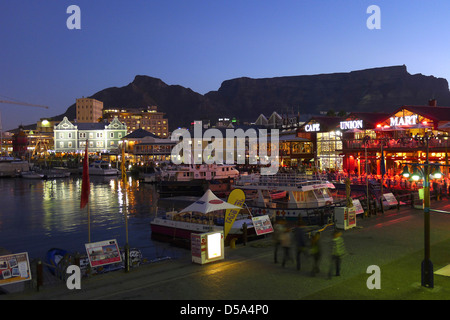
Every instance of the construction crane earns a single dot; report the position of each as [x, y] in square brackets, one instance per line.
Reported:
[23, 104]
[19, 103]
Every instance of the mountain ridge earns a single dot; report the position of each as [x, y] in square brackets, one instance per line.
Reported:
[380, 89]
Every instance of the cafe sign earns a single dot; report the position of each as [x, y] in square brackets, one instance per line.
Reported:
[313, 127]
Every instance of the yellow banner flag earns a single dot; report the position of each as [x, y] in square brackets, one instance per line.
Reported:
[237, 198]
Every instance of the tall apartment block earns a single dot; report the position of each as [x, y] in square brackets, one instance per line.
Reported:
[89, 110]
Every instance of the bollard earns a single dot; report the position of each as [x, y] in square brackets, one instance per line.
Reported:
[233, 243]
[39, 275]
[127, 257]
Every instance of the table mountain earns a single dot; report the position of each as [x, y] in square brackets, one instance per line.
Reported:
[378, 89]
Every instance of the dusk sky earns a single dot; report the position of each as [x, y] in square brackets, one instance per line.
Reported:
[199, 44]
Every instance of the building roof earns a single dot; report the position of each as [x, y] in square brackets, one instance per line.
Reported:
[326, 122]
[431, 112]
[91, 125]
[139, 134]
[371, 119]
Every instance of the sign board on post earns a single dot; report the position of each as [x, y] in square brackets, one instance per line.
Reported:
[262, 225]
[207, 247]
[14, 268]
[103, 253]
[390, 199]
[358, 207]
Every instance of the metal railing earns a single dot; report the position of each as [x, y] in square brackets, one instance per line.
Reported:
[282, 179]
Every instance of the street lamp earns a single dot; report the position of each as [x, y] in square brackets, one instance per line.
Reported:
[418, 173]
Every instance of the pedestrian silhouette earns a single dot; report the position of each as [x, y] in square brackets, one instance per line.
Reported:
[300, 241]
[244, 233]
[286, 242]
[316, 252]
[279, 228]
[337, 252]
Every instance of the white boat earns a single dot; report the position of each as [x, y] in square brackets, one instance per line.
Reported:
[11, 167]
[32, 175]
[151, 177]
[305, 194]
[199, 172]
[56, 172]
[204, 215]
[101, 168]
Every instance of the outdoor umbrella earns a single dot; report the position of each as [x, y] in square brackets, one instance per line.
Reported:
[209, 202]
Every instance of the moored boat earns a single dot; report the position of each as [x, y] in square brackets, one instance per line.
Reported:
[195, 179]
[11, 167]
[304, 195]
[32, 175]
[56, 172]
[204, 215]
[101, 168]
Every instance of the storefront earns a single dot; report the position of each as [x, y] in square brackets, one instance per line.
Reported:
[296, 150]
[408, 132]
[326, 138]
[395, 138]
[360, 152]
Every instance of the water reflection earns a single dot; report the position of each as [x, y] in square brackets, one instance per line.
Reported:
[38, 215]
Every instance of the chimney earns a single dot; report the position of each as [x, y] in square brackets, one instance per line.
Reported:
[432, 103]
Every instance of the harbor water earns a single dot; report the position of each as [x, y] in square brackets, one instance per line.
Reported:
[37, 215]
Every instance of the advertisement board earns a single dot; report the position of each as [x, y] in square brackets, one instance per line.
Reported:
[390, 199]
[358, 207]
[14, 268]
[103, 253]
[262, 225]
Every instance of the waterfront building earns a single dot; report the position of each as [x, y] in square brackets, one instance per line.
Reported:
[296, 149]
[355, 127]
[326, 140]
[149, 119]
[274, 120]
[20, 143]
[153, 149]
[103, 137]
[400, 136]
[88, 110]
[283, 122]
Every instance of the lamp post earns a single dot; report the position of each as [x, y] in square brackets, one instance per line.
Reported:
[427, 265]
[383, 142]
[366, 140]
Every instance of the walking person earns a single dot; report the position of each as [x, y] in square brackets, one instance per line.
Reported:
[315, 252]
[286, 242]
[337, 252]
[278, 231]
[300, 241]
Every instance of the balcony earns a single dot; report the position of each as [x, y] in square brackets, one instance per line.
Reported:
[399, 145]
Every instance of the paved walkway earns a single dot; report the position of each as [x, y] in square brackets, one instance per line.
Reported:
[393, 242]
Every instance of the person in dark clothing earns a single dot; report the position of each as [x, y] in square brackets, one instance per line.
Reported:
[316, 252]
[300, 241]
[279, 228]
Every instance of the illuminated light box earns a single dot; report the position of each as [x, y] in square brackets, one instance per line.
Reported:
[207, 247]
[344, 217]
